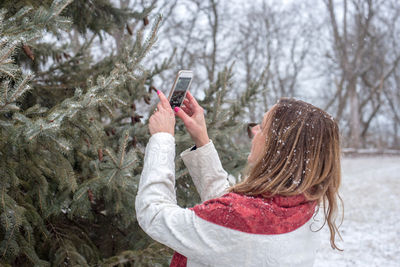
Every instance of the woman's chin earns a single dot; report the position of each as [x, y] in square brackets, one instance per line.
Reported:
[250, 159]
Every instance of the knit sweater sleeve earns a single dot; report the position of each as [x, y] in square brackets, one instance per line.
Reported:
[157, 211]
[206, 170]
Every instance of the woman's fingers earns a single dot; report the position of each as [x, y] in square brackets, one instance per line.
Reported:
[193, 102]
[188, 107]
[190, 97]
[187, 110]
[160, 106]
[182, 114]
[163, 120]
[186, 102]
[192, 115]
[163, 100]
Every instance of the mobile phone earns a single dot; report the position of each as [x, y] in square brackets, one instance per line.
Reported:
[181, 85]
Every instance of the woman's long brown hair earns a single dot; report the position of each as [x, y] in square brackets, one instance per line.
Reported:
[301, 156]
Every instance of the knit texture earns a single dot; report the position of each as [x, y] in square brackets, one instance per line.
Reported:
[254, 215]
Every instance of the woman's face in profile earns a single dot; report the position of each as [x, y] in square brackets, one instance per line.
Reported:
[258, 141]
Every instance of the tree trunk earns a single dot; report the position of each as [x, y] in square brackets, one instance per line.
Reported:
[354, 115]
[396, 143]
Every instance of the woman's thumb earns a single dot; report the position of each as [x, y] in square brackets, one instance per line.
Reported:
[181, 114]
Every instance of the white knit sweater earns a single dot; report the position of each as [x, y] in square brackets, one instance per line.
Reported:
[202, 242]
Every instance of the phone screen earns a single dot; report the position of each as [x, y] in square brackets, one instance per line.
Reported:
[179, 92]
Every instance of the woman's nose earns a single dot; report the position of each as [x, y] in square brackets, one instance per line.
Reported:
[256, 129]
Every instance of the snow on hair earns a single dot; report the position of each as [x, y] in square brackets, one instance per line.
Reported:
[301, 156]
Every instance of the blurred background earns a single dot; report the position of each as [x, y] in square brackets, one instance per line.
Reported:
[342, 56]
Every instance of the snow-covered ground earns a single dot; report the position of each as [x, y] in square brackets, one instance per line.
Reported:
[371, 227]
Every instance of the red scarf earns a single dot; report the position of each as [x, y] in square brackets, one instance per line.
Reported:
[254, 215]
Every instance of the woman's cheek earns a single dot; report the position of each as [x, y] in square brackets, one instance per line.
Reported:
[250, 156]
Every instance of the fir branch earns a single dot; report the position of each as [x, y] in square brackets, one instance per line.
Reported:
[29, 29]
[152, 38]
[120, 101]
[81, 191]
[112, 156]
[58, 6]
[123, 148]
[222, 83]
[21, 13]
[20, 88]
[3, 12]
[111, 177]
[3, 204]
[8, 69]
[35, 110]
[30, 253]
[129, 164]
[7, 51]
[155, 252]
[63, 143]
[107, 108]
[20, 117]
[4, 92]
[42, 128]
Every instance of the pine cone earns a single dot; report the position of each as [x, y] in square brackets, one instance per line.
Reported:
[100, 154]
[28, 52]
[145, 21]
[87, 142]
[129, 29]
[134, 141]
[58, 57]
[135, 119]
[91, 196]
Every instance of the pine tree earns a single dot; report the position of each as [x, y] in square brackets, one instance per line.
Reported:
[72, 137]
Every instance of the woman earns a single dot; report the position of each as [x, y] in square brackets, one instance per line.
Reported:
[265, 220]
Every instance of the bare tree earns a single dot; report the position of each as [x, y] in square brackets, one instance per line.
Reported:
[196, 30]
[392, 95]
[273, 44]
[362, 65]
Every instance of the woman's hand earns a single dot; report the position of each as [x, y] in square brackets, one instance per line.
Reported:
[192, 115]
[163, 120]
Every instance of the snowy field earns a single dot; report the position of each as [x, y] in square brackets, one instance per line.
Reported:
[371, 227]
